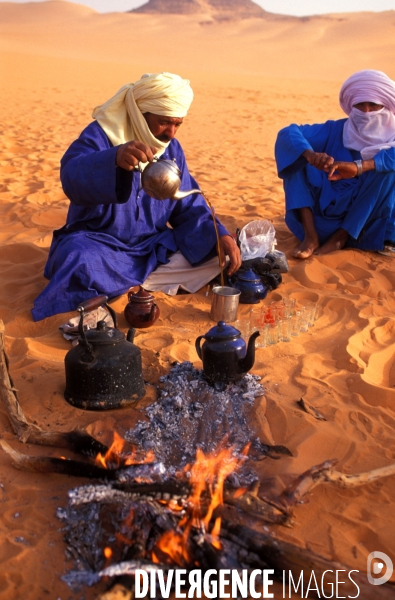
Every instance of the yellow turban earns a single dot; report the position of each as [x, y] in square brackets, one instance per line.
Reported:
[163, 94]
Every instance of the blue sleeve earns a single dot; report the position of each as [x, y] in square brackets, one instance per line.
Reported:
[192, 220]
[385, 160]
[292, 141]
[88, 171]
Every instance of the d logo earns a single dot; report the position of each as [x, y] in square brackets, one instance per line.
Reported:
[382, 562]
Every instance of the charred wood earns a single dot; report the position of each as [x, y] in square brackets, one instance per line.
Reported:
[45, 464]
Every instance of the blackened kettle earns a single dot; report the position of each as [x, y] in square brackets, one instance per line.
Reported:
[225, 355]
[104, 371]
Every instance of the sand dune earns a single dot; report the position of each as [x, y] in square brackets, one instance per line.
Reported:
[316, 47]
[250, 77]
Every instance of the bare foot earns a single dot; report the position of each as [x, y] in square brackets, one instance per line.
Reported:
[306, 248]
[337, 241]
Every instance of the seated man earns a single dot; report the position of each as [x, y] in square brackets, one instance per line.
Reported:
[339, 176]
[116, 236]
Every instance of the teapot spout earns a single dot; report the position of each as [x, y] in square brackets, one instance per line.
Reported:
[180, 195]
[246, 363]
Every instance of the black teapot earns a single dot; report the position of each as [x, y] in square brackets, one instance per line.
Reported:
[104, 370]
[250, 285]
[225, 355]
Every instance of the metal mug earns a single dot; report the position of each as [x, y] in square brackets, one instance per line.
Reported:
[224, 304]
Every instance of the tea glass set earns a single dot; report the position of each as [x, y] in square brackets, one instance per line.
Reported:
[279, 321]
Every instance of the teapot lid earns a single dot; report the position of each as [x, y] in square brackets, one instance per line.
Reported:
[248, 275]
[222, 331]
[141, 296]
[170, 163]
[103, 335]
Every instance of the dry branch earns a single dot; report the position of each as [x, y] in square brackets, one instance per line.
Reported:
[324, 473]
[310, 410]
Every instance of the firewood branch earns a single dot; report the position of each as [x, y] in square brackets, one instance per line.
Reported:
[324, 472]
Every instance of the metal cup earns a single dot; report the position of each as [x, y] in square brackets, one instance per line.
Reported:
[224, 304]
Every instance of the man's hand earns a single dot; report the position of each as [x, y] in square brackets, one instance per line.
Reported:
[130, 154]
[230, 248]
[319, 160]
[342, 170]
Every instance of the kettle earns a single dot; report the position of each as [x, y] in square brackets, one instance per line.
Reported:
[225, 355]
[161, 179]
[104, 371]
[250, 285]
[141, 311]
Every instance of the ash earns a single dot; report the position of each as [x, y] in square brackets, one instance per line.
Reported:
[190, 413]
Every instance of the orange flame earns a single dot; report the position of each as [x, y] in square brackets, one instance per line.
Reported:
[115, 456]
[215, 534]
[207, 478]
[174, 546]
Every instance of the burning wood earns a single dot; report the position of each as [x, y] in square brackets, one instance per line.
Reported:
[188, 530]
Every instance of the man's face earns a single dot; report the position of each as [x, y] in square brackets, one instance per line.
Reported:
[368, 106]
[163, 128]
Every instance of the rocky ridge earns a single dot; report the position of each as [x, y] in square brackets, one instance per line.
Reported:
[216, 9]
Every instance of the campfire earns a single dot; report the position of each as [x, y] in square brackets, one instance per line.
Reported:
[180, 492]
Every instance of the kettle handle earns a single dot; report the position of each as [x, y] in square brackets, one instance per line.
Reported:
[88, 305]
[95, 302]
[197, 346]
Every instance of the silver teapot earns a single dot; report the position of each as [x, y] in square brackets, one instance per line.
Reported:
[161, 179]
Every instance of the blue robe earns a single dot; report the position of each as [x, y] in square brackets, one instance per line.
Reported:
[115, 234]
[364, 206]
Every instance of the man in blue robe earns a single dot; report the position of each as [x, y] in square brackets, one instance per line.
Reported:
[116, 235]
[339, 176]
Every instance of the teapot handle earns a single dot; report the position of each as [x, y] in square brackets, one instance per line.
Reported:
[139, 166]
[151, 315]
[197, 346]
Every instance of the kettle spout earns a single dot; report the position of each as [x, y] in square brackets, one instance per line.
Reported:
[246, 363]
[180, 195]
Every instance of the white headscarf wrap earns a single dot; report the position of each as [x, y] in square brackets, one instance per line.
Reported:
[163, 94]
[373, 131]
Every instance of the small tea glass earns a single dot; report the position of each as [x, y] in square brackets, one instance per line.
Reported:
[289, 307]
[295, 323]
[313, 306]
[285, 329]
[272, 333]
[305, 318]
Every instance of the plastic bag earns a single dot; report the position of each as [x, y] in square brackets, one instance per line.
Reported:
[256, 239]
[280, 260]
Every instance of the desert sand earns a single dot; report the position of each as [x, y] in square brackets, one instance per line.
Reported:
[251, 77]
